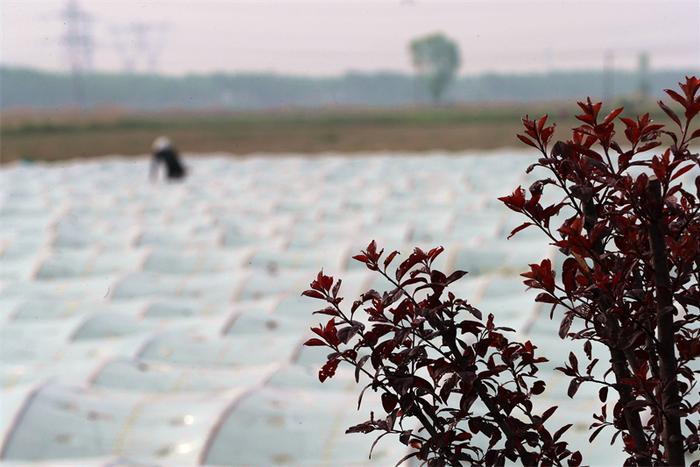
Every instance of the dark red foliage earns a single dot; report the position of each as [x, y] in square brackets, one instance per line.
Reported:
[458, 391]
[631, 268]
[433, 359]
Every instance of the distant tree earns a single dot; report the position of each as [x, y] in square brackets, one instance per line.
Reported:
[436, 59]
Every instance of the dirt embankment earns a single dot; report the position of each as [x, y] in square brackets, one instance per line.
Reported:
[69, 134]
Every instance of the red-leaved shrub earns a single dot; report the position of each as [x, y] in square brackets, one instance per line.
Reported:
[432, 357]
[457, 390]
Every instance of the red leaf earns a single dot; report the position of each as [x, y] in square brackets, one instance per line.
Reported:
[360, 258]
[519, 228]
[565, 325]
[595, 433]
[390, 258]
[358, 367]
[329, 310]
[328, 370]
[561, 431]
[389, 401]
[416, 257]
[336, 287]
[569, 270]
[683, 170]
[526, 141]
[313, 294]
[322, 282]
[435, 252]
[455, 276]
[546, 298]
[612, 115]
[314, 342]
[576, 459]
[516, 200]
[649, 146]
[677, 97]
[670, 113]
[538, 387]
[372, 253]
[586, 118]
[573, 387]
[372, 249]
[548, 275]
[573, 361]
[548, 413]
[330, 333]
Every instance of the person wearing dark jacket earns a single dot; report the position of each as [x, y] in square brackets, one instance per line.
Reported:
[164, 153]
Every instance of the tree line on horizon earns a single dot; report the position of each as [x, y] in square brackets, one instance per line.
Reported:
[30, 88]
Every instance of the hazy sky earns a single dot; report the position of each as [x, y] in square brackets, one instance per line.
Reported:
[333, 36]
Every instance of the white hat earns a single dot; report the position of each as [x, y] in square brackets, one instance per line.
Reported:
[161, 143]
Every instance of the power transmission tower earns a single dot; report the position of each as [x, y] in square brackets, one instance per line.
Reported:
[155, 45]
[78, 44]
[140, 44]
[643, 72]
[120, 38]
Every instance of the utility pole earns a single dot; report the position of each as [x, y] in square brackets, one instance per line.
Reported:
[643, 74]
[608, 75]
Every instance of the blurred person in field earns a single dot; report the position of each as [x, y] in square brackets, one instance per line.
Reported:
[165, 153]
